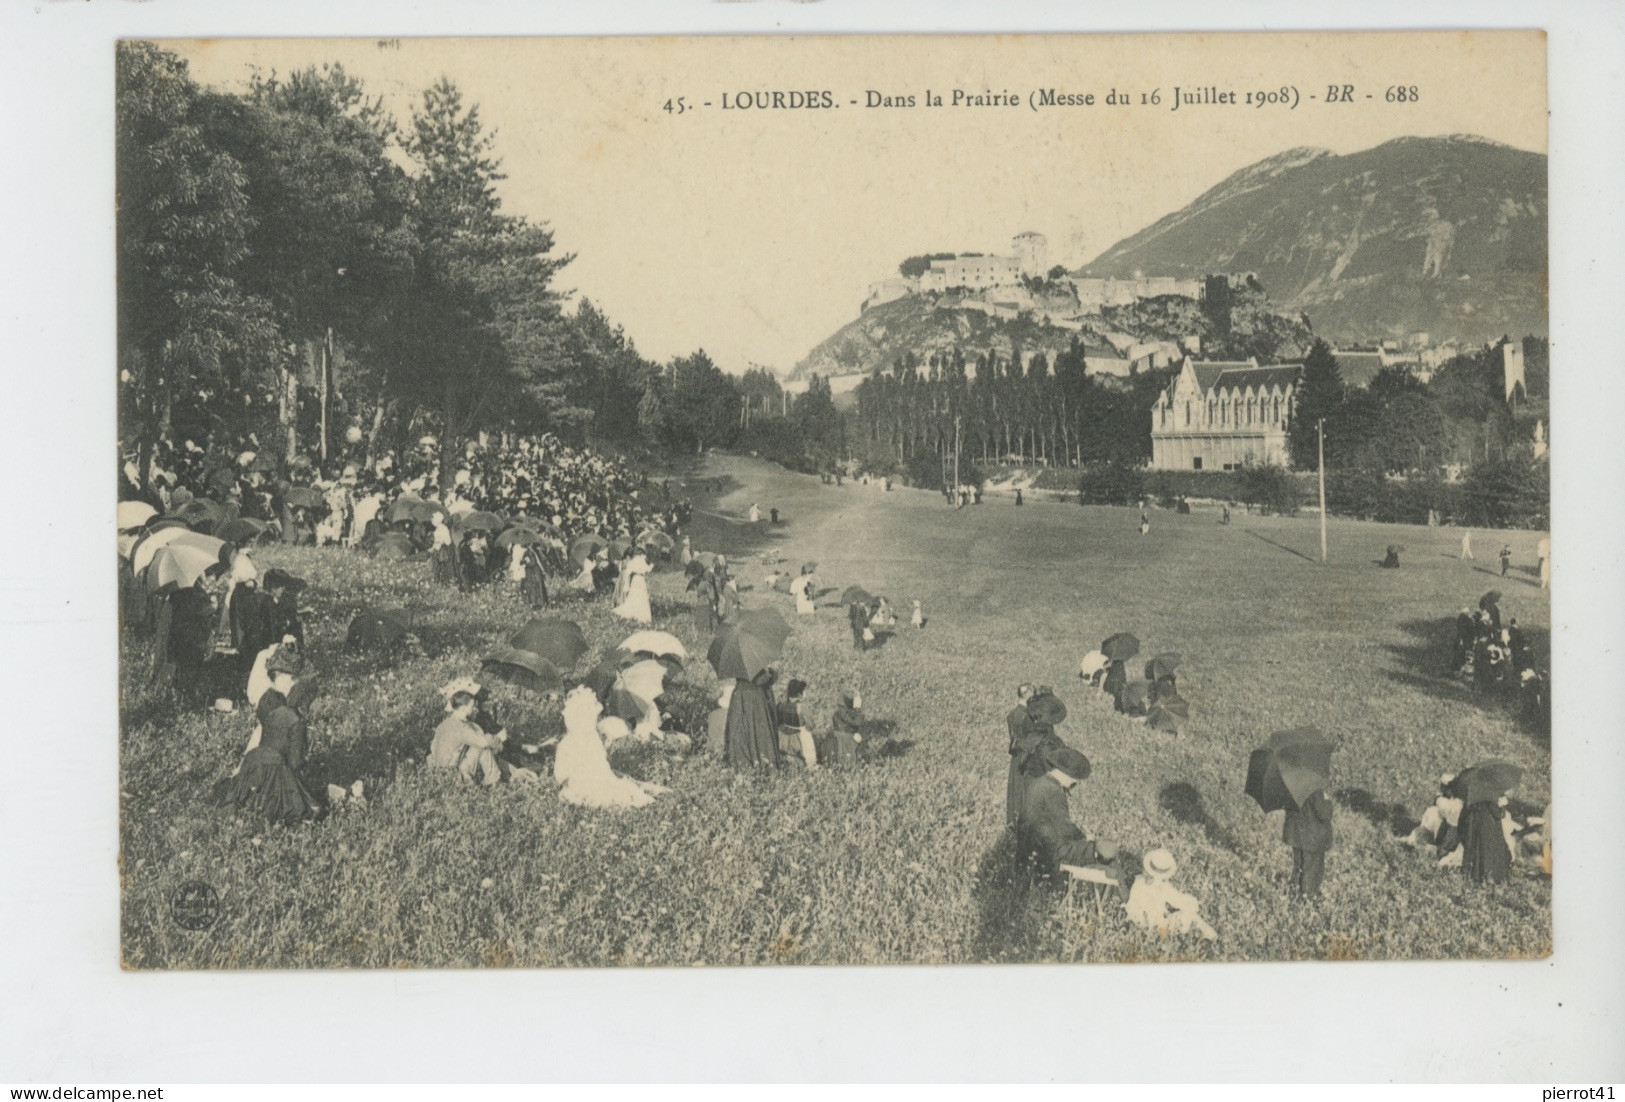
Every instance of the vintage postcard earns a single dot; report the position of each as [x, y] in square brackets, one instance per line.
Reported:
[833, 500]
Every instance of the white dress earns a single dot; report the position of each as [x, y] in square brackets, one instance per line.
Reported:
[802, 588]
[635, 605]
[581, 765]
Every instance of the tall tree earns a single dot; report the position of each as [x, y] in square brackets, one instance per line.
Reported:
[185, 323]
[701, 403]
[1320, 393]
[480, 339]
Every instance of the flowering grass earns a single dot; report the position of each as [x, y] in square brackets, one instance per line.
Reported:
[904, 861]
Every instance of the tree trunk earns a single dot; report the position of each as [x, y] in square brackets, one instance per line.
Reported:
[288, 414]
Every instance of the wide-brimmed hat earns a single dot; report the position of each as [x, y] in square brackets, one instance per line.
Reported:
[1159, 864]
[1066, 760]
[796, 687]
[286, 660]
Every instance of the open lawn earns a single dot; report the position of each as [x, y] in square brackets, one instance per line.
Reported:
[906, 861]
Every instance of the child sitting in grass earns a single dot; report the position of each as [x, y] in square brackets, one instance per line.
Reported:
[1155, 904]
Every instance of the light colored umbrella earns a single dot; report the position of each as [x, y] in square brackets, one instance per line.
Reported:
[133, 514]
[182, 562]
[141, 555]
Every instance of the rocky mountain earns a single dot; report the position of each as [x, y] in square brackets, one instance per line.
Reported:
[1441, 235]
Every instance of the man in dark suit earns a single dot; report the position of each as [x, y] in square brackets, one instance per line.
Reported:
[1045, 833]
[1308, 830]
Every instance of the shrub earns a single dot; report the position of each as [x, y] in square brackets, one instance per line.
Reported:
[1110, 484]
[1271, 488]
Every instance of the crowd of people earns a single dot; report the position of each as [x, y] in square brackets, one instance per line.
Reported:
[1491, 653]
[235, 634]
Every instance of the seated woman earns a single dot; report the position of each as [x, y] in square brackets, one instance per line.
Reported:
[267, 783]
[460, 744]
[841, 745]
[581, 765]
[1155, 904]
[1439, 821]
[794, 735]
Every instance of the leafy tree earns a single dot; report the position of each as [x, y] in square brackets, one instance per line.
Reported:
[186, 325]
[818, 423]
[702, 406]
[1320, 393]
[916, 266]
[481, 339]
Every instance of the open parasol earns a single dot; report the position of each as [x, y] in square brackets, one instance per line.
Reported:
[519, 537]
[654, 644]
[856, 595]
[1488, 780]
[1120, 647]
[559, 642]
[583, 548]
[182, 561]
[134, 514]
[745, 646]
[303, 497]
[522, 668]
[1162, 665]
[378, 627]
[1289, 768]
[480, 520]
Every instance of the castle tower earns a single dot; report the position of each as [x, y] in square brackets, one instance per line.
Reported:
[1031, 252]
[1512, 367]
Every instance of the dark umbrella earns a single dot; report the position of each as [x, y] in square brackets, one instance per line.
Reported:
[242, 530]
[392, 545]
[1163, 665]
[1136, 697]
[223, 481]
[401, 508]
[481, 520]
[1488, 780]
[586, 547]
[263, 463]
[1120, 647]
[619, 546]
[745, 646]
[423, 511]
[560, 642]
[303, 497]
[1395, 548]
[1169, 713]
[523, 668]
[518, 537]
[1490, 600]
[378, 627]
[1047, 708]
[856, 595]
[1287, 769]
[201, 515]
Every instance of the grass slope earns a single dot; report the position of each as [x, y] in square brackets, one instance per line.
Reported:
[905, 861]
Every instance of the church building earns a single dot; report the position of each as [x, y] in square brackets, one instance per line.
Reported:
[1219, 415]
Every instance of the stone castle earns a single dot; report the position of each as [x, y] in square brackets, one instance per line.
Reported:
[1028, 259]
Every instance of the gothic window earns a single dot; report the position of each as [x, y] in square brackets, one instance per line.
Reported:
[1252, 409]
[1187, 415]
[1277, 414]
[1210, 405]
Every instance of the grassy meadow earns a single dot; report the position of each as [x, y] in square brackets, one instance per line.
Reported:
[905, 861]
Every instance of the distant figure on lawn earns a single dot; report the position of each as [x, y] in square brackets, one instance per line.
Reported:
[1018, 495]
[841, 745]
[795, 737]
[1543, 551]
[1467, 543]
[1031, 727]
[755, 513]
[1390, 561]
[1506, 558]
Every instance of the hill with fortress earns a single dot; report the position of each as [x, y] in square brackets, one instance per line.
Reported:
[1422, 242]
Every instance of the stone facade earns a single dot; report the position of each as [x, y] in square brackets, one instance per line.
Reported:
[1221, 415]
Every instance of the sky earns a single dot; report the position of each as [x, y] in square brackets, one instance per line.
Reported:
[755, 233]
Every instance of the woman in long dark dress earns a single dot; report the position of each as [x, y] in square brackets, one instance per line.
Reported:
[1484, 847]
[268, 783]
[534, 587]
[751, 735]
[1030, 746]
[1116, 682]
